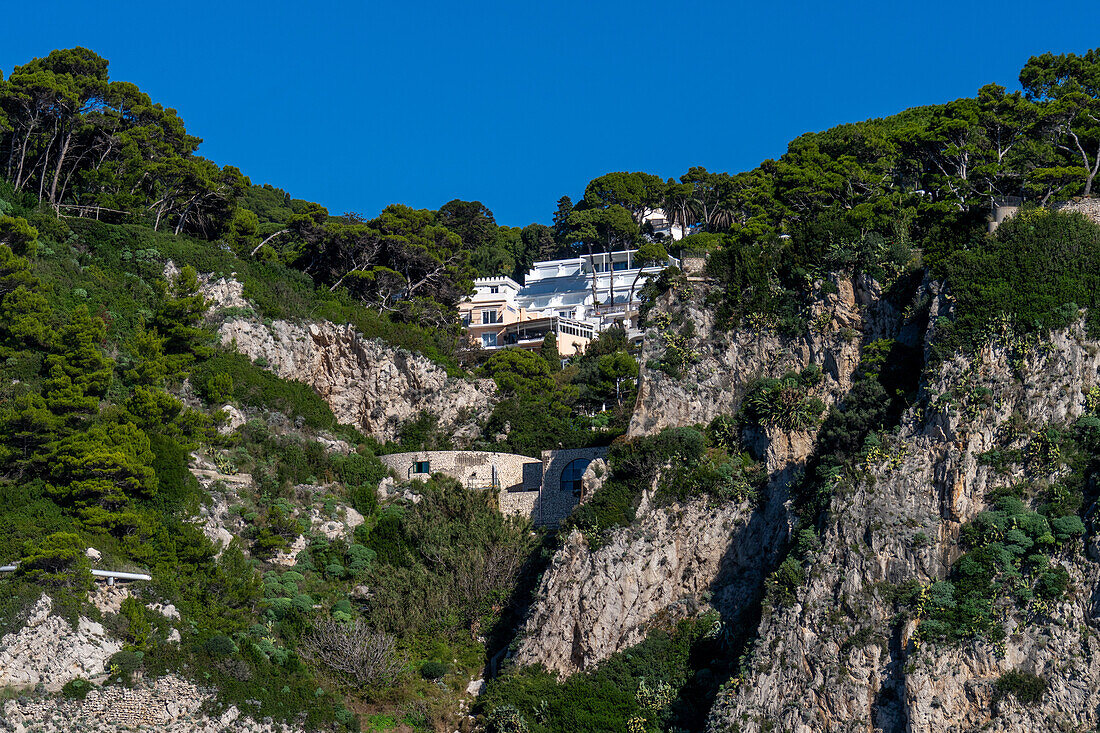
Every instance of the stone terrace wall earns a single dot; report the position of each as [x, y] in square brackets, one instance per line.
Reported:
[1090, 207]
[520, 504]
[472, 468]
[528, 487]
[169, 705]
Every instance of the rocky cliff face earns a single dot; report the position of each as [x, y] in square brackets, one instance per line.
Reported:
[367, 383]
[839, 658]
[49, 651]
[723, 363]
[594, 603]
[675, 560]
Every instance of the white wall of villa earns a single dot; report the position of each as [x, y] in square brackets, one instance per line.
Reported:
[576, 298]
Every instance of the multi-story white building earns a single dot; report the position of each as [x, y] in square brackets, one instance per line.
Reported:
[576, 298]
[489, 309]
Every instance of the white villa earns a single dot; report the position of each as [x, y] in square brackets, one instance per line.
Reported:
[576, 298]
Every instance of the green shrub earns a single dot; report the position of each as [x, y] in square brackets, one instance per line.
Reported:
[219, 645]
[783, 585]
[433, 670]
[507, 719]
[1007, 553]
[57, 560]
[77, 689]
[1029, 277]
[219, 388]
[123, 664]
[785, 402]
[1026, 687]
[359, 559]
[137, 622]
[358, 469]
[251, 385]
[669, 678]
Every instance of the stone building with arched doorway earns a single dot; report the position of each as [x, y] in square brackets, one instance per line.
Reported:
[544, 490]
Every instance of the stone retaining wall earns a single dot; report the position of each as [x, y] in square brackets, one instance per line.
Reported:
[170, 705]
[474, 469]
[529, 487]
[557, 502]
[1090, 207]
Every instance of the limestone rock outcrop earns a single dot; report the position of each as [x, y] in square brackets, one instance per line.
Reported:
[675, 560]
[840, 659]
[170, 704]
[49, 651]
[725, 363]
[368, 384]
[594, 603]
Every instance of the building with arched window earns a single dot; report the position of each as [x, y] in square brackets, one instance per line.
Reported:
[572, 474]
[544, 490]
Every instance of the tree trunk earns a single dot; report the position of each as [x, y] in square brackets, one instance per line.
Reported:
[183, 216]
[634, 284]
[23, 155]
[68, 178]
[1092, 174]
[261, 244]
[60, 164]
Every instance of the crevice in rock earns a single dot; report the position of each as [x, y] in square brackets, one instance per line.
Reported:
[509, 624]
[889, 711]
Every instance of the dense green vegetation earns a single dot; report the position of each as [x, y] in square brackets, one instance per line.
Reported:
[1031, 276]
[586, 402]
[664, 683]
[1026, 687]
[110, 378]
[1011, 551]
[784, 402]
[685, 463]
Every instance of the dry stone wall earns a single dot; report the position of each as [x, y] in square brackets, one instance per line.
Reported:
[471, 468]
[170, 704]
[1090, 207]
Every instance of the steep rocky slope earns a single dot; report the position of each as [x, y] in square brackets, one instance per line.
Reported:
[846, 654]
[594, 603]
[676, 559]
[721, 364]
[839, 658]
[49, 651]
[368, 384]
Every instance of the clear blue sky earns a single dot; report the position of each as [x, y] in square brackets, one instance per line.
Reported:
[360, 104]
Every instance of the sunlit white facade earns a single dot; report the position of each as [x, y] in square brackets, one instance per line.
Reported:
[576, 298]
